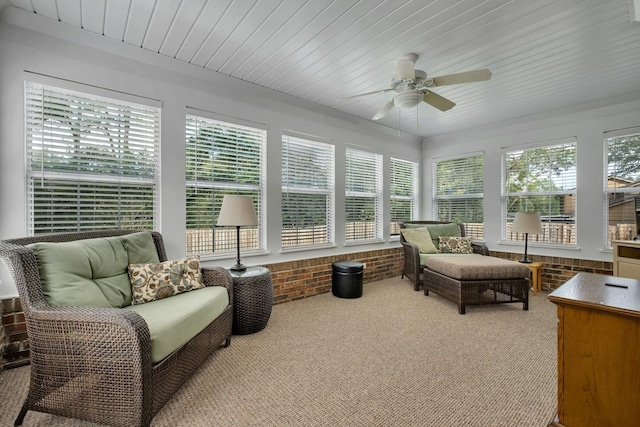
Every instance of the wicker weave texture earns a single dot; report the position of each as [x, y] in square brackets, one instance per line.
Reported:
[95, 363]
[477, 292]
[253, 303]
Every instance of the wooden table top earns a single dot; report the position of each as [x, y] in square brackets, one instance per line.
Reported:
[595, 291]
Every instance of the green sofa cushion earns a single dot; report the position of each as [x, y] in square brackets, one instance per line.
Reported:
[437, 230]
[174, 321]
[420, 237]
[92, 272]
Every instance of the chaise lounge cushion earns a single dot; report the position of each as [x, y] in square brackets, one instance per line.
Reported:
[477, 267]
[174, 321]
[92, 272]
[424, 257]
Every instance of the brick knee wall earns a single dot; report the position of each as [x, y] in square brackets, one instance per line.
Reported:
[300, 279]
[557, 270]
[14, 344]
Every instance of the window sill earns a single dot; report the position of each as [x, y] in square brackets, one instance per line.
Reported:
[540, 245]
[306, 248]
[363, 242]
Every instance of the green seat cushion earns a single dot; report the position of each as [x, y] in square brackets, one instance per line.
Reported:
[174, 321]
[91, 272]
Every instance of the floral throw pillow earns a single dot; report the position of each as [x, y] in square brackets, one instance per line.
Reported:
[455, 245]
[150, 282]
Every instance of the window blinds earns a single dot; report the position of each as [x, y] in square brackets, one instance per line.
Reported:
[458, 192]
[622, 185]
[92, 162]
[542, 179]
[404, 192]
[221, 158]
[307, 192]
[363, 203]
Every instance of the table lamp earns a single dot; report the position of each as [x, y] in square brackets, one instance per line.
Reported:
[527, 222]
[237, 211]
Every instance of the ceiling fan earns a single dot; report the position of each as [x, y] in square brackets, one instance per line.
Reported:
[413, 86]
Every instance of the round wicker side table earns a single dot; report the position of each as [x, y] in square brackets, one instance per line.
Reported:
[252, 299]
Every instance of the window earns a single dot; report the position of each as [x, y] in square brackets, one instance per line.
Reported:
[458, 186]
[307, 192]
[622, 184]
[542, 179]
[404, 192]
[363, 203]
[92, 162]
[222, 158]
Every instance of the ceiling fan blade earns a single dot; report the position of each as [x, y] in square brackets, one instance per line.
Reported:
[440, 102]
[464, 77]
[384, 110]
[368, 93]
[405, 69]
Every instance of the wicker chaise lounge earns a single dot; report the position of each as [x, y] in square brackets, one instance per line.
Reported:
[477, 280]
[413, 265]
[96, 363]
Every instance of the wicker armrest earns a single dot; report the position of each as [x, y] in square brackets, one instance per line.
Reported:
[480, 248]
[412, 267]
[412, 251]
[122, 328]
[90, 358]
[218, 276]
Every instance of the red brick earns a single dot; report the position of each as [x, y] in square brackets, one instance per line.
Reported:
[8, 319]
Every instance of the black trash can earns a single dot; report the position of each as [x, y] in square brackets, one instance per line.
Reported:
[346, 279]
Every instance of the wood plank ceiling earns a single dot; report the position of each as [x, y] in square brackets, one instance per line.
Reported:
[545, 55]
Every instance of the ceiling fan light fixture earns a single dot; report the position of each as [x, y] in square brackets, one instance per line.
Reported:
[413, 86]
[408, 98]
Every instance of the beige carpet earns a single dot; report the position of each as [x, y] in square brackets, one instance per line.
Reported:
[391, 358]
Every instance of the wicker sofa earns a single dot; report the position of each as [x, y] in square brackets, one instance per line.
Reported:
[413, 267]
[97, 363]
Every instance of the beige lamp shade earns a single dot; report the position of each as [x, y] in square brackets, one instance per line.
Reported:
[527, 222]
[237, 211]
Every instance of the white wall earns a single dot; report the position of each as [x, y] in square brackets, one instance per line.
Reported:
[586, 123]
[30, 44]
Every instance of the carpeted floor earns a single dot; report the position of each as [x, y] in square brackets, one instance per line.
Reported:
[390, 358]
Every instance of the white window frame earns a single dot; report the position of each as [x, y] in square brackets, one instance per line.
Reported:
[308, 179]
[556, 230]
[77, 127]
[471, 187]
[403, 188]
[622, 194]
[210, 241]
[363, 182]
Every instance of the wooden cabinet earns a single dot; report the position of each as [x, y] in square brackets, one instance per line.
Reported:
[598, 351]
[626, 258]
